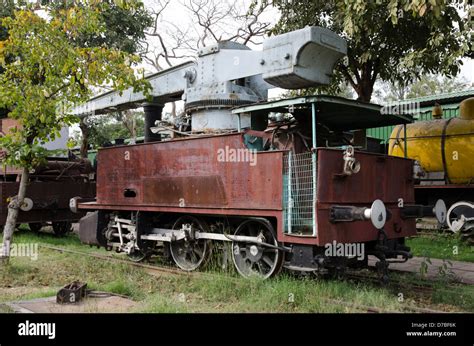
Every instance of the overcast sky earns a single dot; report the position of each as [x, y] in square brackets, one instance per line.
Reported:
[468, 70]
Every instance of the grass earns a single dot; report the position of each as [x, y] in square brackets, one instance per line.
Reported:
[211, 292]
[442, 246]
[71, 241]
[463, 295]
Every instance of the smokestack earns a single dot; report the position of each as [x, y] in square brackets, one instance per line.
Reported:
[152, 114]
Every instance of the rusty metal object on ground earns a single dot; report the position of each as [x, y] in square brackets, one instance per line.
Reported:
[71, 293]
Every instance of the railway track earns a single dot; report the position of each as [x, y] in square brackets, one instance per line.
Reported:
[156, 269]
[433, 234]
[372, 309]
[416, 290]
[425, 288]
[118, 260]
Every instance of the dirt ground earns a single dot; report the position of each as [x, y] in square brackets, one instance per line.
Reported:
[107, 304]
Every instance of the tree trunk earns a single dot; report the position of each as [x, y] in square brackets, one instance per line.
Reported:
[364, 92]
[13, 211]
[85, 138]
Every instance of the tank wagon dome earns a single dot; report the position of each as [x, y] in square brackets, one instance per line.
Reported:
[466, 109]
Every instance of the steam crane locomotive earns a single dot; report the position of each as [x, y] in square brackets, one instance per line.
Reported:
[281, 181]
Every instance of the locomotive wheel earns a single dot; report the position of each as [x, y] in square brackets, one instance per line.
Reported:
[253, 260]
[189, 254]
[460, 219]
[60, 228]
[35, 226]
[455, 213]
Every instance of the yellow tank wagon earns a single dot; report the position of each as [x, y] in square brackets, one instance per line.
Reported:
[443, 146]
[444, 151]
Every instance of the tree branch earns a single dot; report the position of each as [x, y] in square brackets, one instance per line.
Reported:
[347, 75]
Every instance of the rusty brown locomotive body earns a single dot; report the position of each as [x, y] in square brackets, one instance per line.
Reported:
[186, 177]
[278, 204]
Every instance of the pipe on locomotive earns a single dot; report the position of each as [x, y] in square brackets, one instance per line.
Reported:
[378, 213]
[439, 210]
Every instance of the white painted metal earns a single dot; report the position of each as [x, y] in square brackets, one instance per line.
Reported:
[165, 235]
[378, 214]
[164, 85]
[229, 74]
[440, 211]
[218, 119]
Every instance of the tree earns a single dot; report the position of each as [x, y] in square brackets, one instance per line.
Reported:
[45, 74]
[103, 130]
[389, 40]
[210, 21]
[6, 10]
[123, 29]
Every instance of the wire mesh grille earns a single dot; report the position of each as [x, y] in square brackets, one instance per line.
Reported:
[298, 189]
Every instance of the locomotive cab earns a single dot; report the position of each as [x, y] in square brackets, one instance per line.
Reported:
[335, 191]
